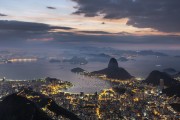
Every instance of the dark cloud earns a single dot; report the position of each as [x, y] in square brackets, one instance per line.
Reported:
[63, 28]
[2, 15]
[162, 15]
[18, 32]
[14, 33]
[52, 8]
[106, 33]
[96, 32]
[28, 26]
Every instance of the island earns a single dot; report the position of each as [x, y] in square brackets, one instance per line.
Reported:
[78, 70]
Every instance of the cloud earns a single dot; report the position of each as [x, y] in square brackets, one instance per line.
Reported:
[40, 39]
[28, 26]
[52, 8]
[2, 15]
[96, 32]
[19, 32]
[22, 34]
[60, 27]
[105, 33]
[162, 15]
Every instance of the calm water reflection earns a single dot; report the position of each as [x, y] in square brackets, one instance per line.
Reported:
[28, 71]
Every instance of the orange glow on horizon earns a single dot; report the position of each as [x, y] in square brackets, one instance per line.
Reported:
[81, 23]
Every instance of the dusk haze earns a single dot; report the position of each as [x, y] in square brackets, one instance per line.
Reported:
[89, 59]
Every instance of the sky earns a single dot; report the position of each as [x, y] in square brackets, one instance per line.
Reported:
[153, 24]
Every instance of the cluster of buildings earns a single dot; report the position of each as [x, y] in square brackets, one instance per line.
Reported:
[14, 56]
[47, 86]
[139, 101]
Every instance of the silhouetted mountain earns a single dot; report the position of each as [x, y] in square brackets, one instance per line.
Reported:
[77, 70]
[14, 107]
[155, 76]
[113, 71]
[113, 63]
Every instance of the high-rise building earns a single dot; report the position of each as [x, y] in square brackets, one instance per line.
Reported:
[3, 79]
[161, 85]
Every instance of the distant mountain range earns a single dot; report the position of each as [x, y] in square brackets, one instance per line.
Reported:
[123, 54]
[113, 71]
[76, 60]
[150, 52]
[170, 71]
[101, 57]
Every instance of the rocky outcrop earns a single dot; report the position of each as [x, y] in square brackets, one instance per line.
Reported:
[77, 70]
[113, 71]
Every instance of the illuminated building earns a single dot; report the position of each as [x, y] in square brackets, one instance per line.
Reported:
[161, 85]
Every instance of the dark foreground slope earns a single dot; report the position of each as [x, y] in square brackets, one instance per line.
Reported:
[44, 101]
[18, 107]
[15, 107]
